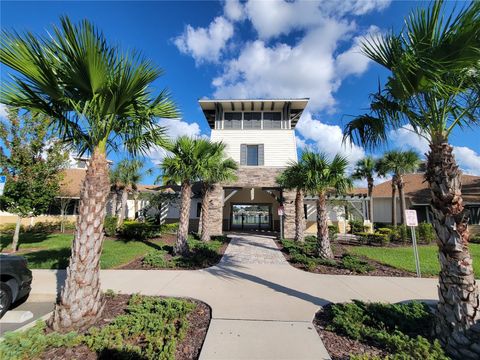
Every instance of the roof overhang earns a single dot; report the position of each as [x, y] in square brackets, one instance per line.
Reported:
[296, 107]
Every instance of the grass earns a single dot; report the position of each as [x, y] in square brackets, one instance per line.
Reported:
[402, 257]
[53, 250]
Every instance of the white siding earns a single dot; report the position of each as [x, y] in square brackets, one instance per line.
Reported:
[279, 145]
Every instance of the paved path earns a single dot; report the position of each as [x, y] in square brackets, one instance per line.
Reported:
[262, 308]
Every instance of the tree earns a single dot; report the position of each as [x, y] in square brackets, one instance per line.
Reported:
[432, 88]
[293, 178]
[186, 163]
[321, 177]
[217, 169]
[32, 159]
[366, 169]
[99, 99]
[115, 190]
[398, 163]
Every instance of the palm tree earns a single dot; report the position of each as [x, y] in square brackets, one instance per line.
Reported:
[217, 169]
[433, 88]
[323, 176]
[186, 163]
[100, 100]
[115, 189]
[366, 169]
[293, 178]
[398, 163]
[129, 175]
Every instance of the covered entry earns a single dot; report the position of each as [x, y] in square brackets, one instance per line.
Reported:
[251, 217]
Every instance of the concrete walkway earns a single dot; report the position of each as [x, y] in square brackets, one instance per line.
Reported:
[262, 308]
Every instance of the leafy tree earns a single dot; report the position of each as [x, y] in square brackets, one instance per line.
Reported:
[398, 163]
[321, 177]
[433, 88]
[186, 163]
[366, 169]
[293, 178]
[32, 159]
[99, 99]
[217, 169]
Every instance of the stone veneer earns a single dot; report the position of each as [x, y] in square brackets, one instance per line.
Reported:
[256, 177]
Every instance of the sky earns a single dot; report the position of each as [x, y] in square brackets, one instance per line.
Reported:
[252, 49]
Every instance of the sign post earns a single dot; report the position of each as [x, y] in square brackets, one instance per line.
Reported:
[412, 221]
[3, 180]
[281, 212]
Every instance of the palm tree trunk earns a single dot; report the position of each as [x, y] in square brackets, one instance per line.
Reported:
[123, 207]
[205, 231]
[394, 202]
[81, 302]
[16, 234]
[401, 193]
[181, 246]
[299, 217]
[370, 202]
[114, 203]
[323, 242]
[458, 309]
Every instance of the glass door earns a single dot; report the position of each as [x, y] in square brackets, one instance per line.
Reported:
[251, 217]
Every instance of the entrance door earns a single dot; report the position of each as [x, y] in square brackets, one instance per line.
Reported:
[251, 217]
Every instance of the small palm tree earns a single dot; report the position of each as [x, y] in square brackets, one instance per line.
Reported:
[217, 169]
[321, 177]
[366, 169]
[293, 178]
[433, 87]
[398, 163]
[129, 175]
[186, 164]
[100, 99]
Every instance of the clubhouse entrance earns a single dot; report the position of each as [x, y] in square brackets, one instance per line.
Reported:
[251, 217]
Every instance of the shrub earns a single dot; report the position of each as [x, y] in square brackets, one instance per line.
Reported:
[426, 233]
[157, 258]
[475, 239]
[309, 263]
[356, 226]
[385, 231]
[332, 231]
[354, 263]
[110, 225]
[9, 228]
[169, 228]
[378, 239]
[133, 230]
[362, 237]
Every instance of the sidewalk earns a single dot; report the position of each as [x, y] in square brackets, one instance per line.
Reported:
[262, 308]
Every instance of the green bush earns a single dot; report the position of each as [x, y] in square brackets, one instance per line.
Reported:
[426, 233]
[157, 258]
[475, 239]
[110, 225]
[401, 329]
[332, 231]
[378, 239]
[9, 228]
[133, 230]
[309, 263]
[159, 323]
[354, 263]
[385, 231]
[356, 226]
[169, 228]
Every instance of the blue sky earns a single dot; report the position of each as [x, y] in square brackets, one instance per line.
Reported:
[252, 49]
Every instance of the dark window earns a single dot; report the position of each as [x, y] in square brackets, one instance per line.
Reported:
[252, 120]
[233, 120]
[252, 155]
[305, 211]
[271, 120]
[199, 209]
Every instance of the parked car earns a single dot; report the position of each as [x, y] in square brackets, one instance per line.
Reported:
[15, 280]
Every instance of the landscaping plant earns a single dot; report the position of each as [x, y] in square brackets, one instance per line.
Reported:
[99, 99]
[366, 168]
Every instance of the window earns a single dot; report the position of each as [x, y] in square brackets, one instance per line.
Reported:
[272, 120]
[252, 155]
[252, 120]
[199, 209]
[233, 120]
[305, 211]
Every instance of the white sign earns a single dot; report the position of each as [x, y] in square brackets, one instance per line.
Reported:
[281, 210]
[3, 180]
[411, 217]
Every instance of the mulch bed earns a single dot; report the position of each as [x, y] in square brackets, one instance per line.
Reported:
[189, 348]
[167, 239]
[338, 346]
[338, 251]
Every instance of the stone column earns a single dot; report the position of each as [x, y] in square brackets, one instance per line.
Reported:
[289, 217]
[216, 210]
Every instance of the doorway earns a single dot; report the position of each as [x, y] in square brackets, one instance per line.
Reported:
[251, 217]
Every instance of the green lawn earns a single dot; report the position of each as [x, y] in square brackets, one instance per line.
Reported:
[402, 257]
[54, 250]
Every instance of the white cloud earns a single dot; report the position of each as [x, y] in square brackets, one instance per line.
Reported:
[468, 160]
[328, 138]
[233, 10]
[3, 111]
[174, 129]
[205, 44]
[406, 138]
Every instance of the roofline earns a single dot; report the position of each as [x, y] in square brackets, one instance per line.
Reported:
[246, 99]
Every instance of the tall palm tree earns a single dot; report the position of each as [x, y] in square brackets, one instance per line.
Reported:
[398, 163]
[293, 178]
[366, 169]
[321, 177]
[217, 169]
[99, 99]
[129, 175]
[433, 87]
[186, 163]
